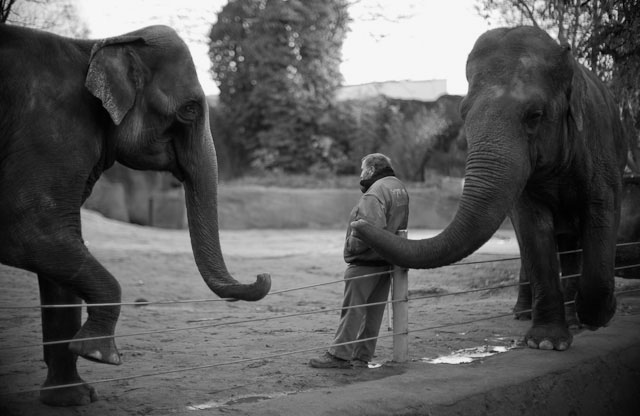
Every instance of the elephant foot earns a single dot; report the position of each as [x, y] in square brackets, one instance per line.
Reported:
[522, 308]
[549, 337]
[596, 312]
[571, 316]
[79, 395]
[522, 311]
[99, 350]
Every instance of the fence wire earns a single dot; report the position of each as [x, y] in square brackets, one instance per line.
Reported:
[190, 328]
[286, 353]
[276, 355]
[170, 302]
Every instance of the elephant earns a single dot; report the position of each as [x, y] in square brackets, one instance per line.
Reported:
[627, 260]
[70, 108]
[629, 231]
[546, 148]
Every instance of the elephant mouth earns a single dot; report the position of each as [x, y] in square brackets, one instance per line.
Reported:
[178, 173]
[176, 170]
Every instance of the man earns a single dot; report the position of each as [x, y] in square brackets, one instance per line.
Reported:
[385, 204]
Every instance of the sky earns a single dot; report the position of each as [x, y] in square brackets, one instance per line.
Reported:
[412, 40]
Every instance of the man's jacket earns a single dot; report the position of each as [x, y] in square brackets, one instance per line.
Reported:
[385, 205]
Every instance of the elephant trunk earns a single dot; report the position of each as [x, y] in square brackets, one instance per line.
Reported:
[494, 178]
[199, 168]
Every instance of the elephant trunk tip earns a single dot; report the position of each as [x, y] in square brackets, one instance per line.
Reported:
[251, 293]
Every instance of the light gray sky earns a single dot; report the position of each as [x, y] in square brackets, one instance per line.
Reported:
[433, 43]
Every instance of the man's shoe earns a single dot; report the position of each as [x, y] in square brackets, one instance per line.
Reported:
[358, 363]
[328, 360]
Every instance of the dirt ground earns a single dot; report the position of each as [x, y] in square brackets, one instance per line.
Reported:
[217, 354]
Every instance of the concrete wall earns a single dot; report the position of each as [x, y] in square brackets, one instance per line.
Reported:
[260, 207]
[247, 207]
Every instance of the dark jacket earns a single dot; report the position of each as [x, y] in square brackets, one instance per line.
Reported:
[385, 205]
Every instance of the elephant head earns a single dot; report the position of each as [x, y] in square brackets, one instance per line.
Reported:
[146, 80]
[524, 102]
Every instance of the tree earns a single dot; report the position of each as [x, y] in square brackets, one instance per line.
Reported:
[603, 35]
[5, 9]
[57, 16]
[276, 63]
[617, 39]
[348, 131]
[412, 139]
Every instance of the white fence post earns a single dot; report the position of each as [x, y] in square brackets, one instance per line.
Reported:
[400, 291]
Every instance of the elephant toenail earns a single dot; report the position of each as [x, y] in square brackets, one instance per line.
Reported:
[531, 343]
[95, 354]
[546, 345]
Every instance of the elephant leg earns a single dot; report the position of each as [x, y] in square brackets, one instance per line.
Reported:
[596, 301]
[61, 324]
[628, 255]
[570, 266]
[68, 263]
[522, 309]
[535, 229]
[628, 261]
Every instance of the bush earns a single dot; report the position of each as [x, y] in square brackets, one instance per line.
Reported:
[418, 136]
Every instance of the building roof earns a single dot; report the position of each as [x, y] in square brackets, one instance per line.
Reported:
[428, 90]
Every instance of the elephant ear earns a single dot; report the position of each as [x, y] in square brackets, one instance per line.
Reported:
[575, 92]
[115, 75]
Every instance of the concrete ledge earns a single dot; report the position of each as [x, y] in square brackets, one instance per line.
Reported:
[599, 375]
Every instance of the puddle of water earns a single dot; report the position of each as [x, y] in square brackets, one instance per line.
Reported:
[236, 400]
[467, 355]
[204, 406]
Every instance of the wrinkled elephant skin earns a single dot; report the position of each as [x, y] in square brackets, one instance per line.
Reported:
[547, 149]
[70, 108]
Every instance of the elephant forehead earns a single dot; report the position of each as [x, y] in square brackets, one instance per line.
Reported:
[530, 62]
[180, 74]
[526, 78]
[523, 89]
[497, 91]
[517, 89]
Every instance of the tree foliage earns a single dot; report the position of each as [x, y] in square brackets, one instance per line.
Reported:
[348, 131]
[413, 138]
[276, 63]
[5, 9]
[57, 16]
[422, 138]
[603, 35]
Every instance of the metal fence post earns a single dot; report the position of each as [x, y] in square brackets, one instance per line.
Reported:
[400, 291]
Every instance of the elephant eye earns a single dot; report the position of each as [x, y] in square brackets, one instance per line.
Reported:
[188, 112]
[533, 119]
